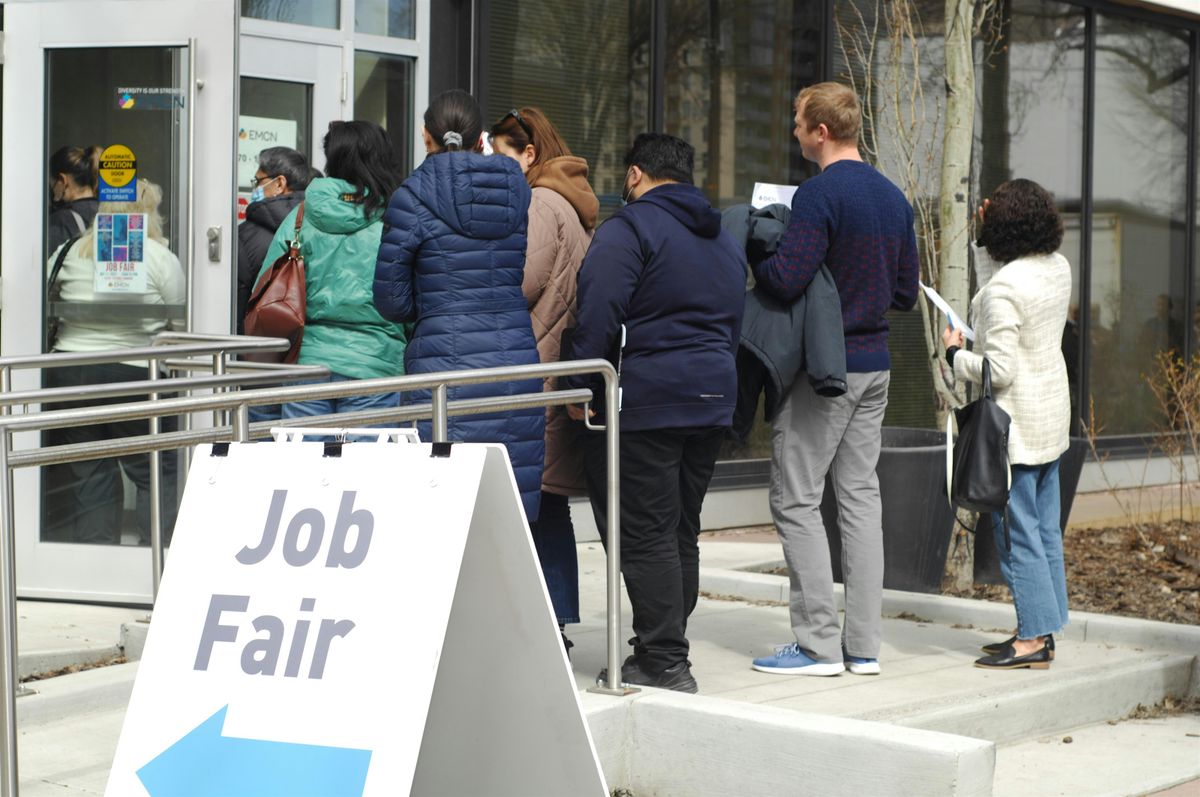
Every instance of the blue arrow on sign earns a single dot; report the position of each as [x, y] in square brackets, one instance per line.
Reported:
[206, 764]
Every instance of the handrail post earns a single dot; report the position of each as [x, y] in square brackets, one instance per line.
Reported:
[8, 596]
[241, 423]
[439, 414]
[218, 370]
[156, 542]
[613, 524]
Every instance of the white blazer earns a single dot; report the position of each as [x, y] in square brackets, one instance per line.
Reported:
[1019, 315]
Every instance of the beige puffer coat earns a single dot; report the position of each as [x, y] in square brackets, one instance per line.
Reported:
[562, 217]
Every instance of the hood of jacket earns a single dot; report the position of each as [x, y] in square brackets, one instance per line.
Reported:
[688, 205]
[474, 195]
[567, 176]
[330, 205]
[269, 213]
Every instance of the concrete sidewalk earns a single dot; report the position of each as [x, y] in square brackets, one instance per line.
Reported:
[928, 694]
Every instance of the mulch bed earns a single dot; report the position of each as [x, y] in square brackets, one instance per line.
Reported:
[1152, 573]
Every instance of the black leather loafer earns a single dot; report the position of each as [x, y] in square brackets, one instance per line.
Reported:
[998, 647]
[1008, 659]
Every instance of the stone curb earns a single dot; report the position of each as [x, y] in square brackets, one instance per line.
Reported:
[668, 744]
[946, 610]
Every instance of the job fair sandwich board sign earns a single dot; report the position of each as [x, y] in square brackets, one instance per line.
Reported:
[354, 620]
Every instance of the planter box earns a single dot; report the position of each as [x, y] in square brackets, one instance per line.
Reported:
[987, 558]
[917, 520]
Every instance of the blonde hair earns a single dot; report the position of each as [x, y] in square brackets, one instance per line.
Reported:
[834, 105]
[149, 197]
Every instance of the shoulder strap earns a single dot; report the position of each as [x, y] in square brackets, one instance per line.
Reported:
[299, 219]
[79, 224]
[58, 264]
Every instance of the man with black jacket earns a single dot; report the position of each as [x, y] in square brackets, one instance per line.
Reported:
[283, 174]
[661, 293]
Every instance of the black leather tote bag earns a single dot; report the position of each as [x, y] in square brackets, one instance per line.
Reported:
[980, 477]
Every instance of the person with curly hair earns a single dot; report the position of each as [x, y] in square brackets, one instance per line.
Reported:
[1020, 312]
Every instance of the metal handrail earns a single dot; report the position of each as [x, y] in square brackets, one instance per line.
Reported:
[239, 428]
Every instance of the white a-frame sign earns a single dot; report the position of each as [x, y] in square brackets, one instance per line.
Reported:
[369, 620]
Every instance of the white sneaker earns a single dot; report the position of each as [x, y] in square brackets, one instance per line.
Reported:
[859, 666]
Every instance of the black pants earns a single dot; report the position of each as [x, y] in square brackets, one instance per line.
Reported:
[82, 501]
[664, 476]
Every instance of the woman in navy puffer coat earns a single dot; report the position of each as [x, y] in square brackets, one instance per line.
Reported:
[452, 259]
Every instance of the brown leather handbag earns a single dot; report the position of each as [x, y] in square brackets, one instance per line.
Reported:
[278, 302]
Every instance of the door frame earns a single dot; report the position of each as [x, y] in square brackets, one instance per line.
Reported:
[208, 29]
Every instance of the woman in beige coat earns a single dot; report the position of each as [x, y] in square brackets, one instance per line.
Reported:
[562, 216]
[1020, 312]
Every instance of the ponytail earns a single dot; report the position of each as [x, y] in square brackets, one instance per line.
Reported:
[453, 121]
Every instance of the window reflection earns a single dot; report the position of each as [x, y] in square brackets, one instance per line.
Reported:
[1030, 124]
[587, 71]
[1138, 235]
[318, 13]
[383, 93]
[731, 71]
[385, 17]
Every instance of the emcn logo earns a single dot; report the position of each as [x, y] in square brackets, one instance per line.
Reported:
[127, 101]
[242, 133]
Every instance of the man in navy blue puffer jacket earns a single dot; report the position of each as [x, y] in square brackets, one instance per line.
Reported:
[664, 269]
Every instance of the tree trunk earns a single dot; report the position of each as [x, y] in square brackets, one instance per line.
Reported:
[954, 195]
[954, 209]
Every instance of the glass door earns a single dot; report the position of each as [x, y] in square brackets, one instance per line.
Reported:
[120, 200]
[290, 91]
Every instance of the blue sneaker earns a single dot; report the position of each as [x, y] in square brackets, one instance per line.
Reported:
[790, 660]
[860, 666]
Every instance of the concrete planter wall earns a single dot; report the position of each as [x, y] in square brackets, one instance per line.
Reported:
[917, 521]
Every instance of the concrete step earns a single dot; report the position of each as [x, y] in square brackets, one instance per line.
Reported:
[1017, 705]
[1167, 752]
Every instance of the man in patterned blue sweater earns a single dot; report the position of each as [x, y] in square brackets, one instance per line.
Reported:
[851, 218]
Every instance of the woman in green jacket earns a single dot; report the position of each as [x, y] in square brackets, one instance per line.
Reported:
[339, 240]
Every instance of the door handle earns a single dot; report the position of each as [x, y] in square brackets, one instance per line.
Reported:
[214, 244]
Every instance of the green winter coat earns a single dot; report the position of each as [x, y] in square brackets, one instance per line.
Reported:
[342, 330]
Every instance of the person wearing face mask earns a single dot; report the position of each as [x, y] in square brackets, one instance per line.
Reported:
[283, 174]
[562, 215]
[74, 173]
[661, 294]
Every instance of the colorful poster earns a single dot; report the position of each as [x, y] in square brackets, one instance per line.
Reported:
[149, 98]
[120, 253]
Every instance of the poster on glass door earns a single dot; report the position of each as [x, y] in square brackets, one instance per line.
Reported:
[120, 253]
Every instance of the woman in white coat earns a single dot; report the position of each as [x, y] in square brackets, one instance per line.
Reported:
[1019, 315]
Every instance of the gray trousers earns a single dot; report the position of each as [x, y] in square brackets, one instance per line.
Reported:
[813, 436]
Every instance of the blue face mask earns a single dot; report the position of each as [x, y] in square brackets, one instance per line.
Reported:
[257, 195]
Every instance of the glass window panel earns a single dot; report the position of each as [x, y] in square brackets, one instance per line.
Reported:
[272, 113]
[588, 72]
[386, 17]
[318, 13]
[136, 97]
[732, 68]
[383, 93]
[903, 140]
[731, 71]
[1138, 226]
[1030, 124]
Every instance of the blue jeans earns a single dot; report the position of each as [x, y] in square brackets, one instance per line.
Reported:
[1034, 566]
[308, 409]
[554, 538]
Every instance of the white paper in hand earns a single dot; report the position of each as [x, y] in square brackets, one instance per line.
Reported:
[770, 194]
[941, 304]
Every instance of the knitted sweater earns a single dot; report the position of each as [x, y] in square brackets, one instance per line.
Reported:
[855, 221]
